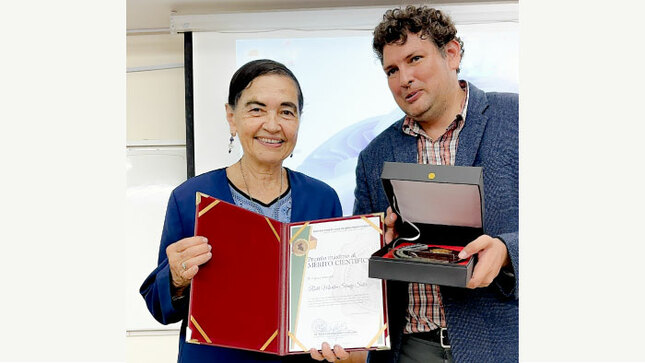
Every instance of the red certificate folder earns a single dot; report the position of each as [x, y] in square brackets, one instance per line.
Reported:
[239, 299]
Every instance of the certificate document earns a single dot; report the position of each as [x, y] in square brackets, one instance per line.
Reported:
[283, 288]
[331, 297]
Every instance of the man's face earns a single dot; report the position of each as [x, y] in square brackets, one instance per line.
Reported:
[420, 77]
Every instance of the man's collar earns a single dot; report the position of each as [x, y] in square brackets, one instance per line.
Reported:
[464, 107]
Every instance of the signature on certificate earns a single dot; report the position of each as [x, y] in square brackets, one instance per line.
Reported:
[321, 327]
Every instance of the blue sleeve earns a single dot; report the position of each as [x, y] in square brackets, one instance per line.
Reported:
[337, 210]
[330, 206]
[502, 159]
[507, 282]
[326, 198]
[156, 288]
[362, 204]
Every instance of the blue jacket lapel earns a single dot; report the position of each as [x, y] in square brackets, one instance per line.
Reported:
[473, 131]
[404, 147]
[220, 188]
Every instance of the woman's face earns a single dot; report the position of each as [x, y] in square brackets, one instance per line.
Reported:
[266, 118]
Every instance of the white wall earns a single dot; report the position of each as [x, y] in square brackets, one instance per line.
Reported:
[155, 126]
[146, 348]
[155, 98]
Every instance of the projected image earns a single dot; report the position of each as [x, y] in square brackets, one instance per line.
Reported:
[347, 101]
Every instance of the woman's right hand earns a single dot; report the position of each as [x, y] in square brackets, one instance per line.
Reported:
[184, 258]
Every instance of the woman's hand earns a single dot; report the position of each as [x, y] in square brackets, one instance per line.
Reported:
[328, 354]
[184, 258]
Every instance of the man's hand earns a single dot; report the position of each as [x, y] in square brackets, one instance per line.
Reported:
[184, 257]
[328, 354]
[492, 255]
[390, 233]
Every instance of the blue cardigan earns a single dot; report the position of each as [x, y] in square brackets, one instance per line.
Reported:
[482, 323]
[311, 199]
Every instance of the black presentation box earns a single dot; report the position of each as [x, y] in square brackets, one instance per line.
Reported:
[437, 205]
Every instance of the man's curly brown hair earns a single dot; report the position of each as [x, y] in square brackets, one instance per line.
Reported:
[428, 22]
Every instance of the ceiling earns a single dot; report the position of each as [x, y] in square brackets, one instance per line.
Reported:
[154, 15]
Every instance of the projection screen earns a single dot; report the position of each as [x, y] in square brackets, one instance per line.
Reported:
[347, 101]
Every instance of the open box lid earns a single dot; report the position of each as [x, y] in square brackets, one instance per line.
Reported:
[441, 203]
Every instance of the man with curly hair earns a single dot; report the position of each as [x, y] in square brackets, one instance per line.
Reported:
[451, 122]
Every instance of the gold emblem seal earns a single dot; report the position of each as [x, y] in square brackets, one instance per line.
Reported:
[300, 247]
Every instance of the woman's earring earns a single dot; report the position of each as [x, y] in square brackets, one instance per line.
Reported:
[230, 144]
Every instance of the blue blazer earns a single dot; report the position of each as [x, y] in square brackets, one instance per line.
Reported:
[482, 323]
[311, 199]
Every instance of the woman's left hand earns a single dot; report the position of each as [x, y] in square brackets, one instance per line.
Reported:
[328, 354]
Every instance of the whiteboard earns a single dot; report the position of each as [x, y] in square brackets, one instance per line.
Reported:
[152, 173]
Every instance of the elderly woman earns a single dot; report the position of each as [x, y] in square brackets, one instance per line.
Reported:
[263, 111]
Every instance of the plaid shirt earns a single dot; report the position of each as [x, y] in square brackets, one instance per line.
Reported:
[425, 308]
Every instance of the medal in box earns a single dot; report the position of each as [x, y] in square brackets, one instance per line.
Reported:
[440, 209]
